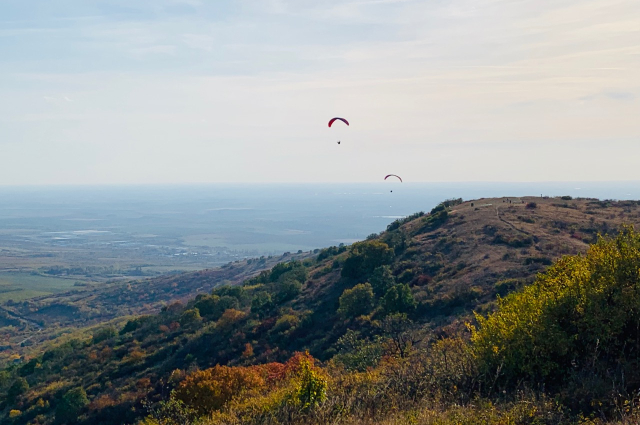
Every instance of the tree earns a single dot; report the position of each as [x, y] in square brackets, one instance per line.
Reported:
[71, 405]
[311, 385]
[104, 334]
[398, 299]
[287, 290]
[172, 411]
[213, 306]
[356, 301]
[356, 353]
[366, 256]
[381, 280]
[262, 305]
[189, 317]
[19, 387]
[397, 327]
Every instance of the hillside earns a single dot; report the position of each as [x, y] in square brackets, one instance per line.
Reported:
[434, 268]
[29, 323]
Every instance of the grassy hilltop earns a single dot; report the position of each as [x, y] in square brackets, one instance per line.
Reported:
[384, 326]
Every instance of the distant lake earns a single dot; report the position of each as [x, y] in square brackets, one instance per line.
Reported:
[258, 218]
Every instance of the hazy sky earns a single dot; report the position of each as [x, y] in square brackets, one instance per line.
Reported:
[171, 91]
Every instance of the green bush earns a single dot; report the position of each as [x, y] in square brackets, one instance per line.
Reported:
[581, 315]
[71, 405]
[356, 301]
[104, 334]
[262, 305]
[381, 280]
[364, 257]
[19, 387]
[190, 316]
[398, 299]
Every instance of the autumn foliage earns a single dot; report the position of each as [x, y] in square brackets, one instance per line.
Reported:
[212, 389]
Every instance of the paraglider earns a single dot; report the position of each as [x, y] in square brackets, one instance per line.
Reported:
[337, 118]
[393, 175]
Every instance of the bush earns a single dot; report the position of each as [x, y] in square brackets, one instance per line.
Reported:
[366, 256]
[213, 306]
[287, 290]
[531, 205]
[71, 405]
[581, 315]
[357, 354]
[208, 390]
[189, 317]
[261, 305]
[19, 387]
[104, 334]
[398, 299]
[356, 301]
[381, 280]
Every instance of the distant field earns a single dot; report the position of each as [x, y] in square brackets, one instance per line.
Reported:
[22, 286]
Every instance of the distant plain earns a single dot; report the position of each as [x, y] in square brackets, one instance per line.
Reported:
[55, 238]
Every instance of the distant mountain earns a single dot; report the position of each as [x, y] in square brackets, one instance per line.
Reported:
[435, 268]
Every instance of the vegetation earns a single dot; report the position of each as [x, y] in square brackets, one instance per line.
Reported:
[393, 339]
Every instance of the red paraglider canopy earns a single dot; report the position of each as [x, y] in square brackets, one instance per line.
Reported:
[392, 175]
[338, 118]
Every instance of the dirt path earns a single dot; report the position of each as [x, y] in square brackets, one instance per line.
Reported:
[510, 224]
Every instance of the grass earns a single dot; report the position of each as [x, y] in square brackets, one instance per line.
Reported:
[18, 286]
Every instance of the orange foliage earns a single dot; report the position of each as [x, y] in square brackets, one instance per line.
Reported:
[229, 317]
[248, 350]
[208, 390]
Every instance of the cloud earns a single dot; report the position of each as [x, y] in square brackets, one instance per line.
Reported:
[625, 96]
[241, 90]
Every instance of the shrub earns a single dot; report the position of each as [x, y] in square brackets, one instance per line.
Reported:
[189, 317]
[356, 301]
[531, 205]
[381, 280]
[71, 405]
[398, 299]
[261, 305]
[311, 387]
[579, 315]
[19, 387]
[366, 256]
[287, 290]
[357, 354]
[104, 334]
[213, 306]
[229, 318]
[285, 323]
[208, 390]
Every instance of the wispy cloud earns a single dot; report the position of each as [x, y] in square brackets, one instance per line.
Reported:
[221, 90]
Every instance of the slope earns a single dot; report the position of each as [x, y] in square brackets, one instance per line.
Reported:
[435, 268]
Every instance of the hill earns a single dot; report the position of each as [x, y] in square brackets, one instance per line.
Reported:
[418, 280]
[25, 325]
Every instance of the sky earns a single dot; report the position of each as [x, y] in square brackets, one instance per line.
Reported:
[189, 91]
